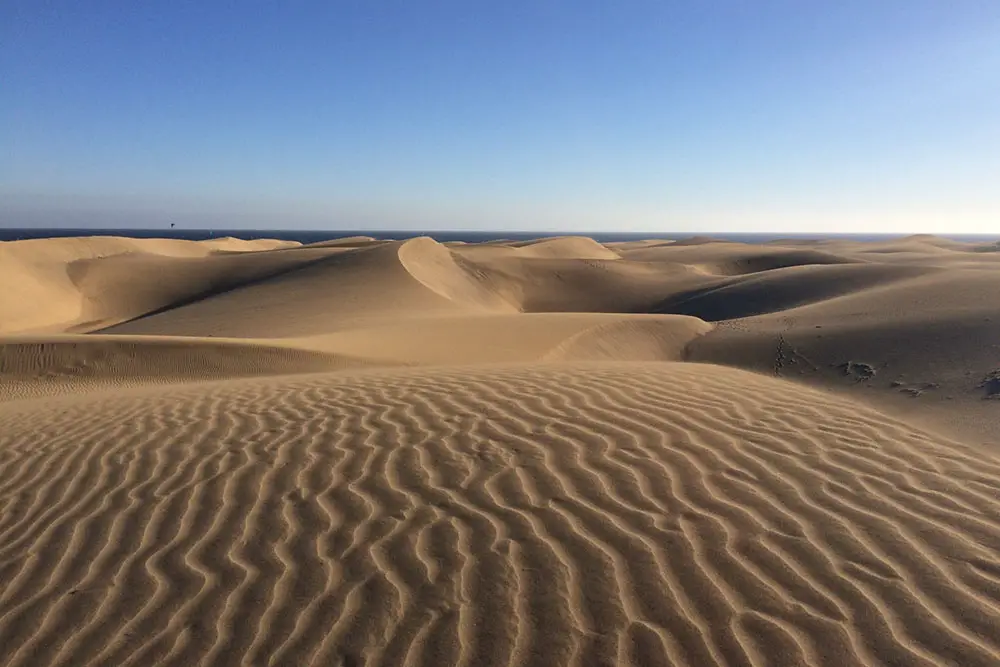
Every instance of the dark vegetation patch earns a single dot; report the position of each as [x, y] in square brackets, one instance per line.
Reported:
[991, 383]
[859, 370]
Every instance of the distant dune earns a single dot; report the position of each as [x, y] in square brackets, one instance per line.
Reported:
[554, 452]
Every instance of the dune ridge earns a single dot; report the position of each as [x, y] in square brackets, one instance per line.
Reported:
[556, 452]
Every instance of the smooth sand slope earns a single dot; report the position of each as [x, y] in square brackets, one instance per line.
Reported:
[406, 453]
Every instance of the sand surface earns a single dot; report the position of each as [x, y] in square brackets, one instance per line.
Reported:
[555, 452]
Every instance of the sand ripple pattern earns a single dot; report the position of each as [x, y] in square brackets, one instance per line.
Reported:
[643, 514]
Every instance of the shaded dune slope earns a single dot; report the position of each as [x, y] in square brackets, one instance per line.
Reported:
[116, 290]
[664, 514]
[781, 289]
[928, 340]
[84, 284]
[341, 290]
[728, 259]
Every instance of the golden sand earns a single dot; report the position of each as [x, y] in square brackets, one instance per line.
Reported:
[546, 453]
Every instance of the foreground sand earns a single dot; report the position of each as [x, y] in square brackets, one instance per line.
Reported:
[393, 453]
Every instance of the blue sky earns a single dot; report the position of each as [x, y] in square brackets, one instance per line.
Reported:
[632, 115]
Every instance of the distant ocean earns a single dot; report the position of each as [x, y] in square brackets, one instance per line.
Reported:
[314, 236]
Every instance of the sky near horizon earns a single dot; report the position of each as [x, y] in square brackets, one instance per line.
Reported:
[582, 115]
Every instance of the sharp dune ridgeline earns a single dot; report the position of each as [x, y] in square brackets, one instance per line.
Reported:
[556, 452]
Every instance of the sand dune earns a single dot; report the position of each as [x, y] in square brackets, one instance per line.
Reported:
[343, 289]
[782, 289]
[32, 366]
[487, 339]
[404, 452]
[729, 259]
[596, 514]
[569, 247]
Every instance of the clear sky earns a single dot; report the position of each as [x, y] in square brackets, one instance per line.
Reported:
[631, 115]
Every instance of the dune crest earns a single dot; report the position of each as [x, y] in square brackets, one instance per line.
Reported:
[565, 247]
[435, 267]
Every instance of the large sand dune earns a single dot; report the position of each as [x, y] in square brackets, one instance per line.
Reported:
[371, 452]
